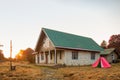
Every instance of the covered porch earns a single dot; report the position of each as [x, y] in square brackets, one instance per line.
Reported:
[51, 57]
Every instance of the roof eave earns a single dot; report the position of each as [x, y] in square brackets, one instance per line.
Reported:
[36, 46]
[77, 49]
[104, 54]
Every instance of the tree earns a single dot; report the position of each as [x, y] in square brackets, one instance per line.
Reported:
[26, 55]
[104, 44]
[29, 56]
[114, 42]
[1, 55]
[19, 56]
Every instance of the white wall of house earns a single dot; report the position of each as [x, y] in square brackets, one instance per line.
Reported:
[111, 57]
[47, 45]
[42, 60]
[36, 59]
[60, 60]
[52, 58]
[84, 58]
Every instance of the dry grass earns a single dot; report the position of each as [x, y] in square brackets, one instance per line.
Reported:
[89, 73]
[26, 71]
[23, 70]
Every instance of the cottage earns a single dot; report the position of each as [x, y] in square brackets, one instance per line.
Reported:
[110, 55]
[55, 47]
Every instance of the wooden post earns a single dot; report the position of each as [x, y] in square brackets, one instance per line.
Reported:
[10, 54]
[38, 58]
[49, 57]
[55, 57]
[11, 67]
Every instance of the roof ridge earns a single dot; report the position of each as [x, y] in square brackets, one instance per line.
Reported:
[67, 33]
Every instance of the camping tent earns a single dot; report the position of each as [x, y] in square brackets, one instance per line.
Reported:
[101, 62]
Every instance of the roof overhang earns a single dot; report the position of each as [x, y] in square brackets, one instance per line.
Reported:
[35, 53]
[79, 49]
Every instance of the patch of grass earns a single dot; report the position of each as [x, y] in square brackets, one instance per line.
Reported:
[26, 70]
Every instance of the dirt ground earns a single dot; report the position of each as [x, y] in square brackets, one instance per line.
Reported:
[26, 71]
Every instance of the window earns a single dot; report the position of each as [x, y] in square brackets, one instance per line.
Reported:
[42, 56]
[60, 54]
[74, 55]
[93, 56]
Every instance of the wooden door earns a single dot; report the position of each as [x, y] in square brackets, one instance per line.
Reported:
[46, 55]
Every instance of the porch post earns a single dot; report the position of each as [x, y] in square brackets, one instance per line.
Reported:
[36, 59]
[49, 57]
[39, 57]
[55, 57]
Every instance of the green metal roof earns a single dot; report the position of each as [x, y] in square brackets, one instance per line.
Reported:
[107, 51]
[66, 40]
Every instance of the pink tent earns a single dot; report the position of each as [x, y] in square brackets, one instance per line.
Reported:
[101, 62]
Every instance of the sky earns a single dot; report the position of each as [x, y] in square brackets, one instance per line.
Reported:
[21, 20]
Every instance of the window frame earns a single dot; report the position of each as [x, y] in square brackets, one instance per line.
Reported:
[42, 56]
[60, 57]
[92, 56]
[74, 55]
